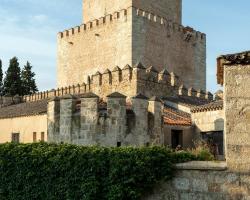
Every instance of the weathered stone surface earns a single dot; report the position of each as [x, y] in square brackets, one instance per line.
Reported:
[146, 38]
[202, 165]
[202, 184]
[169, 9]
[181, 183]
[53, 120]
[237, 116]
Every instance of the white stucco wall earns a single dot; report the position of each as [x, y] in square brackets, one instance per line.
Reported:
[25, 126]
[209, 121]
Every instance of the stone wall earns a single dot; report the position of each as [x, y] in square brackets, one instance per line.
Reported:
[130, 36]
[237, 116]
[208, 121]
[169, 9]
[203, 181]
[163, 44]
[128, 81]
[94, 46]
[85, 121]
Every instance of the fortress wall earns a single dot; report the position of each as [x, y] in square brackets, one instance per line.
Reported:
[127, 81]
[128, 37]
[94, 46]
[163, 44]
[203, 181]
[170, 9]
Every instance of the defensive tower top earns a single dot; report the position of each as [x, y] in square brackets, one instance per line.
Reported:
[170, 9]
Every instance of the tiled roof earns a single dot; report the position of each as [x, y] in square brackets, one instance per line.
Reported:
[189, 101]
[174, 117]
[215, 105]
[24, 109]
[242, 58]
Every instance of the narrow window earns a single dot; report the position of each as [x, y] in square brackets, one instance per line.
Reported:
[177, 139]
[15, 137]
[42, 136]
[119, 144]
[34, 137]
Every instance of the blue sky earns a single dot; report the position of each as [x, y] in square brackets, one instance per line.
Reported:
[28, 30]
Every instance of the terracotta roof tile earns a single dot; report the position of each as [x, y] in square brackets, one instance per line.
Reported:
[215, 105]
[242, 58]
[174, 117]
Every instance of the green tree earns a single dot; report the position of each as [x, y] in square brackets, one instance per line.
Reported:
[1, 78]
[12, 83]
[28, 80]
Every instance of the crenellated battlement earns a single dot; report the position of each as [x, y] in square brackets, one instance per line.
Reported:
[91, 25]
[188, 32]
[129, 36]
[129, 81]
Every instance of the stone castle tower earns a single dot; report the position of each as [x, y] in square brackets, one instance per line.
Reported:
[126, 32]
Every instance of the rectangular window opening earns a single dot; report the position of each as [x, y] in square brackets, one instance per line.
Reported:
[15, 137]
[34, 137]
[42, 137]
[177, 139]
[119, 144]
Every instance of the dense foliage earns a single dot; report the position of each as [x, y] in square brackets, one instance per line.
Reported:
[49, 171]
[28, 80]
[12, 82]
[17, 81]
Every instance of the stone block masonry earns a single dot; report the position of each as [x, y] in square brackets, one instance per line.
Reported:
[129, 36]
[119, 123]
[95, 46]
[169, 9]
[161, 43]
[202, 181]
[88, 120]
[128, 81]
[237, 116]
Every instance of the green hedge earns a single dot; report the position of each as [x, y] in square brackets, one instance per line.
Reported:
[58, 172]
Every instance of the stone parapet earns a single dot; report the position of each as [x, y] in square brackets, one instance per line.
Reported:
[203, 180]
[129, 81]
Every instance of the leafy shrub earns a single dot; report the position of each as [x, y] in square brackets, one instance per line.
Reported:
[49, 171]
[202, 151]
[58, 172]
[183, 156]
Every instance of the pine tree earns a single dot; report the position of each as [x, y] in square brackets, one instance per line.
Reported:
[1, 78]
[28, 80]
[12, 83]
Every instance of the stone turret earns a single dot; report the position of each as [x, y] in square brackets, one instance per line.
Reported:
[140, 109]
[89, 119]
[145, 31]
[116, 110]
[67, 107]
[53, 119]
[155, 109]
